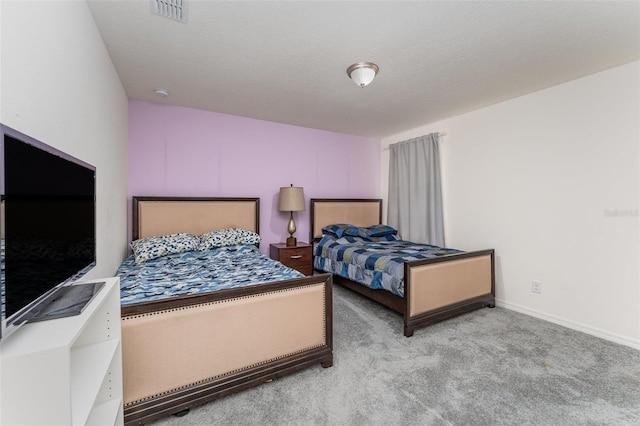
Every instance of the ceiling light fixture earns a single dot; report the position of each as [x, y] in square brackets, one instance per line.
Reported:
[161, 92]
[362, 73]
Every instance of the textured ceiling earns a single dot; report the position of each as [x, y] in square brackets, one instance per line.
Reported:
[286, 61]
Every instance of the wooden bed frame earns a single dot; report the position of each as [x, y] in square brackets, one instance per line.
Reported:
[182, 352]
[434, 289]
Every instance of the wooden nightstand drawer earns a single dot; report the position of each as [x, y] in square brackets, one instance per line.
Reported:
[298, 257]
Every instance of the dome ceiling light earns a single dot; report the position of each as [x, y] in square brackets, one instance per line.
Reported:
[362, 73]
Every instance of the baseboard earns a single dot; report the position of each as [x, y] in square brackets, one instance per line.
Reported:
[635, 344]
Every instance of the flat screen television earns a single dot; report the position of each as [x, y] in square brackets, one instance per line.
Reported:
[47, 219]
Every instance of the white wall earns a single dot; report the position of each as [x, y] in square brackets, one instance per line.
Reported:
[551, 181]
[59, 86]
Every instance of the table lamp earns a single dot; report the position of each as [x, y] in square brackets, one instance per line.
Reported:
[291, 200]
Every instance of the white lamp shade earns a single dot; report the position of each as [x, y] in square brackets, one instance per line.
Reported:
[291, 199]
[362, 73]
[362, 76]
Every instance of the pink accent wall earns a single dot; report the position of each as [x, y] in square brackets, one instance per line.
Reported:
[177, 151]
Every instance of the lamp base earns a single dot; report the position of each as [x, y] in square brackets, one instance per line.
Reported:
[291, 241]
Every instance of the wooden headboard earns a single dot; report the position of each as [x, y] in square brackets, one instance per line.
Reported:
[168, 215]
[355, 211]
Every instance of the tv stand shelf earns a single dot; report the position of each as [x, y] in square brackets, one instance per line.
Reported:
[66, 370]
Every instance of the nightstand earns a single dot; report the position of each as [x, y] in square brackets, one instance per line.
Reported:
[298, 257]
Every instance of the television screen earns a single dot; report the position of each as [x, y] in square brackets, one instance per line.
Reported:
[48, 224]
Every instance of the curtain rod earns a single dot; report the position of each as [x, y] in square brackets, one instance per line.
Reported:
[439, 134]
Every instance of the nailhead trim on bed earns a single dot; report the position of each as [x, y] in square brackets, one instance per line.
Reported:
[239, 369]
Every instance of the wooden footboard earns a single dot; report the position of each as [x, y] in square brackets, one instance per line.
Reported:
[180, 353]
[437, 289]
[440, 288]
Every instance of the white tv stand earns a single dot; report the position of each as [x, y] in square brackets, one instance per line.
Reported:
[67, 370]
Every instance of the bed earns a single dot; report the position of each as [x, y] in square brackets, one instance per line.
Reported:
[186, 350]
[433, 289]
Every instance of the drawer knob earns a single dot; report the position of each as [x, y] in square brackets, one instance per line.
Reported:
[296, 257]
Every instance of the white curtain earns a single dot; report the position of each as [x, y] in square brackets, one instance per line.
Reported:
[415, 193]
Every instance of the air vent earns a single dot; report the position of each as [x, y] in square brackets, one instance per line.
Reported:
[172, 9]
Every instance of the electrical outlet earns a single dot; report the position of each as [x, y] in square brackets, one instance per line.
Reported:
[536, 287]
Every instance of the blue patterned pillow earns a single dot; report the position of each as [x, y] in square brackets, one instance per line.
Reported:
[227, 237]
[149, 248]
[353, 231]
[347, 239]
[390, 237]
[338, 229]
[376, 231]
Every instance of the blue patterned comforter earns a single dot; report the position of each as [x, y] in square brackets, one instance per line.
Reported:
[378, 265]
[195, 272]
